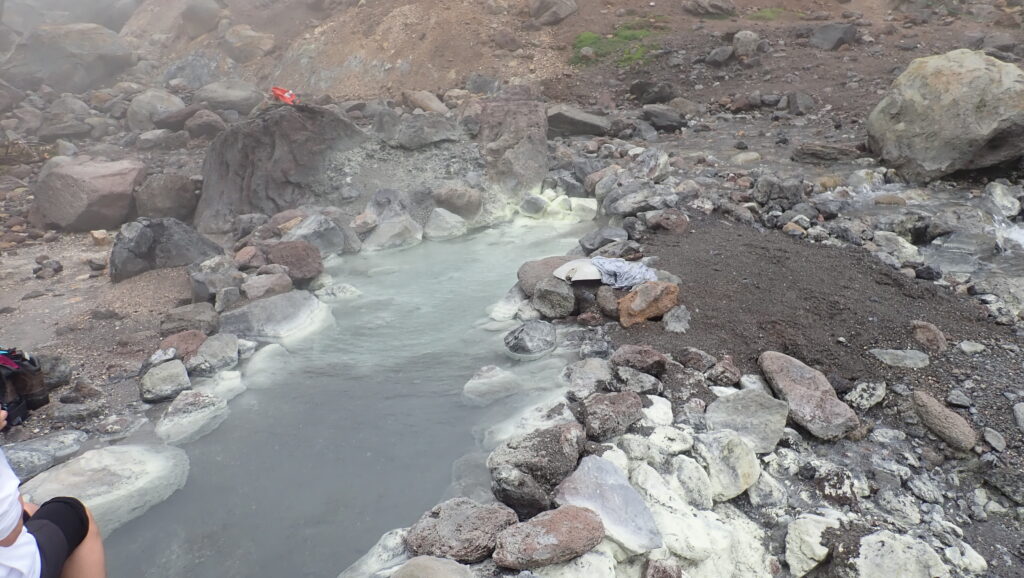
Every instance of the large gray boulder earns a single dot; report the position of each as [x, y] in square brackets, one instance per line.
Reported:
[236, 95]
[554, 298]
[64, 118]
[38, 455]
[274, 317]
[82, 194]
[164, 382]
[210, 277]
[270, 163]
[167, 195]
[531, 273]
[513, 135]
[116, 483]
[732, 466]
[68, 58]
[962, 110]
[199, 317]
[442, 225]
[417, 131]
[759, 418]
[146, 244]
[565, 120]
[150, 105]
[396, 231]
[812, 401]
[190, 416]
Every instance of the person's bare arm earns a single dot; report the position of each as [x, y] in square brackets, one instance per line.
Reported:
[12, 537]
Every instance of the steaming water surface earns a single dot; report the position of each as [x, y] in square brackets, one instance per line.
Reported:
[354, 433]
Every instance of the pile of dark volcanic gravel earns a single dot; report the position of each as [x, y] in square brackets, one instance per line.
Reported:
[750, 292]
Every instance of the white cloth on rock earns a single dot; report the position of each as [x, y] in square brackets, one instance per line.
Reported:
[623, 274]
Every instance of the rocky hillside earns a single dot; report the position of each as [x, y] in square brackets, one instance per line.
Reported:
[820, 206]
[581, 52]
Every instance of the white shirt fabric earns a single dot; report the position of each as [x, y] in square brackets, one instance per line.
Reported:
[21, 559]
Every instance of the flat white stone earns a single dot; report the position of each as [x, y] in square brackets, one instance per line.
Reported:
[190, 416]
[659, 412]
[887, 554]
[226, 385]
[117, 483]
[906, 358]
[490, 384]
[599, 485]
[804, 550]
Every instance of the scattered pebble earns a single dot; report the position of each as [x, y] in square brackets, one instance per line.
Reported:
[971, 347]
[994, 439]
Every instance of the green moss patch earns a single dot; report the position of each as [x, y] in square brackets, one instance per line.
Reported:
[626, 46]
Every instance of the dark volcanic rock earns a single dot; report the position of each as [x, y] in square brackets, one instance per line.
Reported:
[531, 340]
[832, 36]
[607, 415]
[301, 257]
[641, 358]
[270, 163]
[565, 120]
[146, 244]
[550, 538]
[166, 195]
[460, 529]
[525, 470]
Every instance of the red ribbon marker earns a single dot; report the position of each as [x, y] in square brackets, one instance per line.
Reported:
[284, 95]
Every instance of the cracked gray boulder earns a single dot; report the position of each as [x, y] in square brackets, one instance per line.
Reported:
[273, 162]
[962, 110]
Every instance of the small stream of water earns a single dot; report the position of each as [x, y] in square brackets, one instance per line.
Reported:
[355, 432]
[986, 245]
